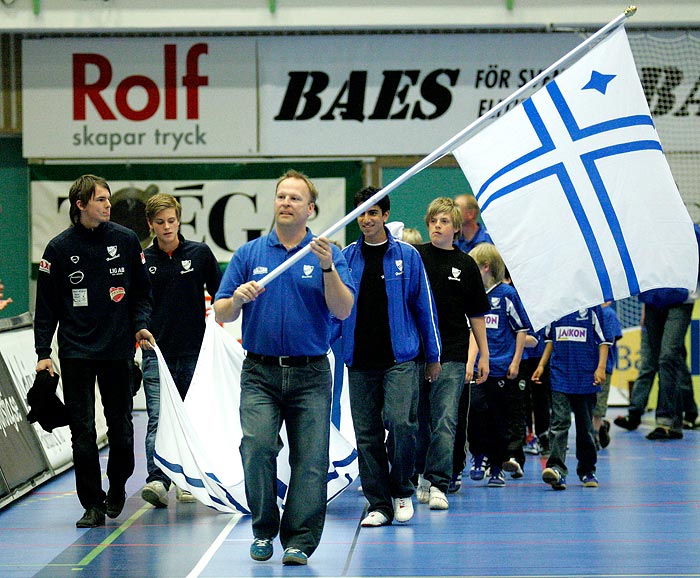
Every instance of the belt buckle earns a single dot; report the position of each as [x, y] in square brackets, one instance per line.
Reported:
[281, 359]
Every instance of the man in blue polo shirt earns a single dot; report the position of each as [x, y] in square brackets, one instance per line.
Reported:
[286, 376]
[473, 232]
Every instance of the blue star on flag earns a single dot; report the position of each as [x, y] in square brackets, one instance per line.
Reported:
[599, 81]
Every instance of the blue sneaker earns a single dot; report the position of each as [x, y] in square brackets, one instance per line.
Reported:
[533, 447]
[554, 478]
[497, 479]
[294, 557]
[479, 465]
[455, 484]
[261, 549]
[589, 480]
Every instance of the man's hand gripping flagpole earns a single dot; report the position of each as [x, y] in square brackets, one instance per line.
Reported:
[457, 140]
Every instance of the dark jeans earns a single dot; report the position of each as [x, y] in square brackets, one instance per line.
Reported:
[487, 428]
[516, 419]
[114, 381]
[437, 421]
[538, 397]
[299, 397]
[385, 400]
[181, 369]
[663, 352]
[563, 404]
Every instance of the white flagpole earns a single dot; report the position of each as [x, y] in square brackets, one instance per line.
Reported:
[455, 141]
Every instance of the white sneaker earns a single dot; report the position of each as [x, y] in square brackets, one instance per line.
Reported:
[403, 509]
[438, 499]
[184, 496]
[155, 493]
[374, 519]
[423, 490]
[512, 466]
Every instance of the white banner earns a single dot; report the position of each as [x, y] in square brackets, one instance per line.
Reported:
[198, 439]
[314, 95]
[138, 97]
[225, 214]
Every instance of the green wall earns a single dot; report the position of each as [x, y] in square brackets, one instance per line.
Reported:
[410, 201]
[14, 226]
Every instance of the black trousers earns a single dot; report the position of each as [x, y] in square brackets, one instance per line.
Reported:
[114, 381]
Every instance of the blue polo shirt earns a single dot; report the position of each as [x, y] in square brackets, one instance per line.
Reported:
[577, 338]
[291, 316]
[504, 321]
[482, 236]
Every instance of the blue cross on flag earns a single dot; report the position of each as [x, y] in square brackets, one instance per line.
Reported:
[576, 192]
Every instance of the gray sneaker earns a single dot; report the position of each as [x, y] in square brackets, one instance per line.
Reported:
[155, 493]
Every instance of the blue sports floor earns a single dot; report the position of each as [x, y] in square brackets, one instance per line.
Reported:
[643, 521]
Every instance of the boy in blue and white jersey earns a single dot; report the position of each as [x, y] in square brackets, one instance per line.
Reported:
[506, 330]
[577, 346]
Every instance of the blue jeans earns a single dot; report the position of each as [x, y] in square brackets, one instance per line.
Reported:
[301, 398]
[438, 403]
[379, 400]
[181, 368]
[563, 404]
[672, 363]
[114, 380]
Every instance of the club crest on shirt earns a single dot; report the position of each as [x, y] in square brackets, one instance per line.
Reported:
[495, 302]
[76, 277]
[186, 264]
[260, 271]
[399, 266]
[455, 274]
[45, 266]
[116, 294]
[308, 269]
[143, 258]
[113, 252]
[582, 314]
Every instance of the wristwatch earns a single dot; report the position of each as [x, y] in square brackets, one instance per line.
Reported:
[331, 268]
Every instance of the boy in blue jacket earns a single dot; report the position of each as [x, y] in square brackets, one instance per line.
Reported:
[577, 346]
[394, 315]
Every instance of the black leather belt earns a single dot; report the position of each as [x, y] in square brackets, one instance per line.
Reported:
[285, 360]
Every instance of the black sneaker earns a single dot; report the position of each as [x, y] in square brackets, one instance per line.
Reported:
[94, 516]
[604, 434]
[114, 503]
[664, 433]
[628, 422]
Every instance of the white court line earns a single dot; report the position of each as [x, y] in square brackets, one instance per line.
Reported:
[216, 544]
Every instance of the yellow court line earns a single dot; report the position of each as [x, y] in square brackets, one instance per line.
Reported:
[97, 550]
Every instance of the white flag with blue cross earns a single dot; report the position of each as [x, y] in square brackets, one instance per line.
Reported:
[576, 192]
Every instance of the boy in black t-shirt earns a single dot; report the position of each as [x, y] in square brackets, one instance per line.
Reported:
[460, 300]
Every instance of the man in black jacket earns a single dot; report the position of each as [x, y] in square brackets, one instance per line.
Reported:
[93, 285]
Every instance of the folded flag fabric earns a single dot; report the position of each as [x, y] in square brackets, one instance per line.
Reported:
[198, 439]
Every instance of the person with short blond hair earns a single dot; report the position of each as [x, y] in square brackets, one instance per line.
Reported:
[180, 270]
[461, 302]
